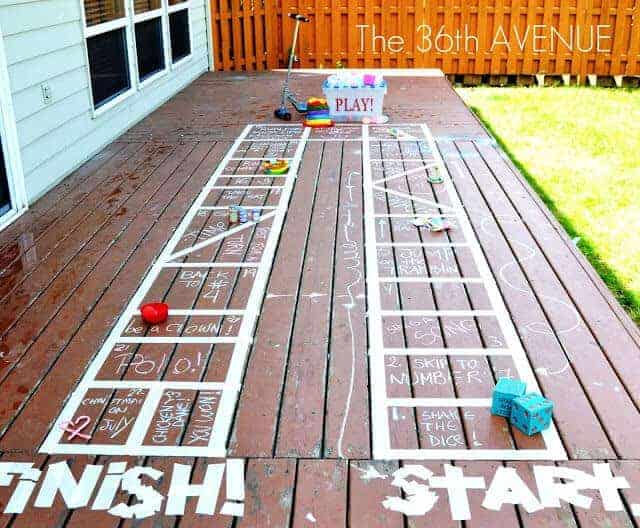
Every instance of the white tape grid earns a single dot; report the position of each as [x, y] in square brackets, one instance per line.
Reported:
[380, 403]
[230, 389]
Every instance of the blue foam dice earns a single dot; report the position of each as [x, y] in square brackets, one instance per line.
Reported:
[505, 391]
[531, 413]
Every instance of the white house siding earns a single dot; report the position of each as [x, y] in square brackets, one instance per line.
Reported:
[44, 43]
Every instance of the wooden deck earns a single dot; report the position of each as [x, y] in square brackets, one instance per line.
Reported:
[327, 345]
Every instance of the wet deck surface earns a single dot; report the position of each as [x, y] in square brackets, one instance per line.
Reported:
[511, 296]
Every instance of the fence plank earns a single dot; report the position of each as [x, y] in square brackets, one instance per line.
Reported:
[225, 34]
[633, 54]
[249, 37]
[271, 31]
[260, 42]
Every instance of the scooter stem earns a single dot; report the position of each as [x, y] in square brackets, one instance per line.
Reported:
[285, 89]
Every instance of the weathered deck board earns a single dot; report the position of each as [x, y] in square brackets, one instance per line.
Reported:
[347, 408]
[127, 265]
[270, 491]
[259, 406]
[303, 419]
[600, 382]
[319, 483]
[20, 236]
[583, 435]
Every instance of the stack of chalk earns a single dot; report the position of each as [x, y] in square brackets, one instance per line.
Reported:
[318, 113]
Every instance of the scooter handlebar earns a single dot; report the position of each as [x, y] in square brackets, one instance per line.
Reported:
[296, 16]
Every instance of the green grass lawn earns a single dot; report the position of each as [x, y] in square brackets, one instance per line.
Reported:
[580, 150]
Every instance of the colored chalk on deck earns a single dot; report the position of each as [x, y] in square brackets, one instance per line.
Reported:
[275, 167]
[75, 427]
[505, 391]
[531, 413]
[433, 223]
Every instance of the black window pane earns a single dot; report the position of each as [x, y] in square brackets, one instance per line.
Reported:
[149, 47]
[5, 199]
[108, 65]
[179, 29]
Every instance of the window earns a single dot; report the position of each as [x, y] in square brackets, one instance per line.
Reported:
[107, 49]
[130, 42]
[179, 30]
[149, 37]
[149, 47]
[108, 65]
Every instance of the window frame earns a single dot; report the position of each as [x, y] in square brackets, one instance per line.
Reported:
[11, 147]
[128, 22]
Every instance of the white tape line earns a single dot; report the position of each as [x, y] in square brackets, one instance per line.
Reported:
[471, 454]
[179, 340]
[145, 415]
[447, 351]
[253, 176]
[194, 312]
[133, 450]
[261, 159]
[438, 402]
[404, 160]
[437, 313]
[416, 215]
[220, 236]
[209, 265]
[150, 384]
[436, 280]
[226, 207]
[423, 244]
[379, 416]
[245, 187]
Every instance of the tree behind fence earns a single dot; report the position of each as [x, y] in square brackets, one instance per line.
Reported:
[464, 36]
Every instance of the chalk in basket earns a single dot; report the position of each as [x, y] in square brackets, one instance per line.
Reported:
[531, 413]
[505, 391]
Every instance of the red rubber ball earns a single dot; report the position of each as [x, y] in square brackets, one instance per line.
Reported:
[154, 313]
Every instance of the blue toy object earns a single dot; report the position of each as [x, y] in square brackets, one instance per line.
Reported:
[505, 391]
[531, 413]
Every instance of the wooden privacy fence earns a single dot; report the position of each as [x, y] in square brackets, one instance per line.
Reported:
[497, 37]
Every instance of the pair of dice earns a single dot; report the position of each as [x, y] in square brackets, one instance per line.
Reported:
[531, 413]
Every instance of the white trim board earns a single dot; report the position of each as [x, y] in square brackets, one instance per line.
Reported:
[10, 146]
[229, 390]
[380, 402]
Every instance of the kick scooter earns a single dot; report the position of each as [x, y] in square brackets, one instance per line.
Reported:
[287, 95]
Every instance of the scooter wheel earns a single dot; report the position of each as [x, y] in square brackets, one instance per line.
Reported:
[282, 114]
